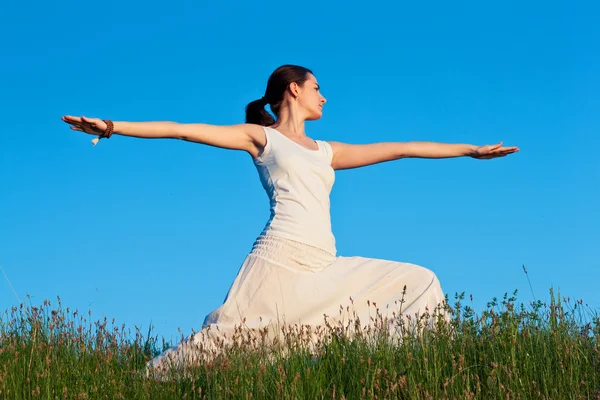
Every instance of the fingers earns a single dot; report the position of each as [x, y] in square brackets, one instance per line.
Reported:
[507, 150]
[80, 124]
[76, 121]
[498, 154]
[77, 124]
[502, 150]
[495, 146]
[71, 119]
[498, 147]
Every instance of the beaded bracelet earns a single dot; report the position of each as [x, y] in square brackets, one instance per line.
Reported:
[110, 127]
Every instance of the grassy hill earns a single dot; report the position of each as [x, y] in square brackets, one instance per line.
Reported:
[509, 351]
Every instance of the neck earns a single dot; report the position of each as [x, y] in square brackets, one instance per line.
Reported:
[290, 121]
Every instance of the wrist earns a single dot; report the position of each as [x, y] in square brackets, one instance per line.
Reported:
[470, 150]
[110, 128]
[119, 127]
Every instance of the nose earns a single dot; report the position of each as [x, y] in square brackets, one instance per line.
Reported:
[323, 100]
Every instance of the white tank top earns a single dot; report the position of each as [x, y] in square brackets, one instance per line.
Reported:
[298, 182]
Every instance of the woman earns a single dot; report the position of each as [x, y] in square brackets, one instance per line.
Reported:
[293, 275]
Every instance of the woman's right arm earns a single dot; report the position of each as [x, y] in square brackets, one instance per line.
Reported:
[247, 137]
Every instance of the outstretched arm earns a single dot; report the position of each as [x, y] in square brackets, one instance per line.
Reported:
[248, 137]
[346, 156]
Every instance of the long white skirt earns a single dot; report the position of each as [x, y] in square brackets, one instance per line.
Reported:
[287, 283]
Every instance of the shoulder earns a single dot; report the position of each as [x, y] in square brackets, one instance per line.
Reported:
[336, 145]
[255, 132]
[258, 138]
[343, 151]
[326, 147]
[333, 147]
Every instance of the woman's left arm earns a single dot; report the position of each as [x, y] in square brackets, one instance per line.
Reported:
[346, 156]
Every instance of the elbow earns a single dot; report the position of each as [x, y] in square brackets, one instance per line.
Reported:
[175, 131]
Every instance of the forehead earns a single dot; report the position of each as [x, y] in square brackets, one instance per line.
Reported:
[312, 79]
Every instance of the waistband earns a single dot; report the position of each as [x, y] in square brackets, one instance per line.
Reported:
[291, 254]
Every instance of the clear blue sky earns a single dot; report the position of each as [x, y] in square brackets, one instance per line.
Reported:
[156, 230]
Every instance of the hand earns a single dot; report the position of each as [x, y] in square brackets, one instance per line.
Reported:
[92, 126]
[493, 151]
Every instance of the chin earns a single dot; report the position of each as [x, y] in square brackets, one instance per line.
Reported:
[315, 116]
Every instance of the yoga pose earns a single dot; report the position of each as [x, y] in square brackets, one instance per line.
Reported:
[293, 272]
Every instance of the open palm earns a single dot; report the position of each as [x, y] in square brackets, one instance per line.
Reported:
[493, 151]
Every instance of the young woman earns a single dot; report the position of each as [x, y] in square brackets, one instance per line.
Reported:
[292, 273]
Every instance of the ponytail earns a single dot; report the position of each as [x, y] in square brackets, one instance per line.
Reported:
[257, 114]
[278, 83]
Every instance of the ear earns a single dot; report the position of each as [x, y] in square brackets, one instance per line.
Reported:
[294, 89]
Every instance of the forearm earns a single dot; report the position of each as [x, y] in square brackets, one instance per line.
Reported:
[235, 137]
[146, 130]
[431, 149]
[347, 156]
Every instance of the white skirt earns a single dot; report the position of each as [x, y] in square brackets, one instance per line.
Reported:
[287, 283]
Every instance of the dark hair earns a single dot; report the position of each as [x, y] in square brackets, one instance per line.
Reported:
[278, 83]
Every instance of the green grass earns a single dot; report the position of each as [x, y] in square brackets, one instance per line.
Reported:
[510, 351]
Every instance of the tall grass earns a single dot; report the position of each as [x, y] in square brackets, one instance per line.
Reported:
[509, 351]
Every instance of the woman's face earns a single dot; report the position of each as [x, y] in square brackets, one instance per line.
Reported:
[310, 99]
